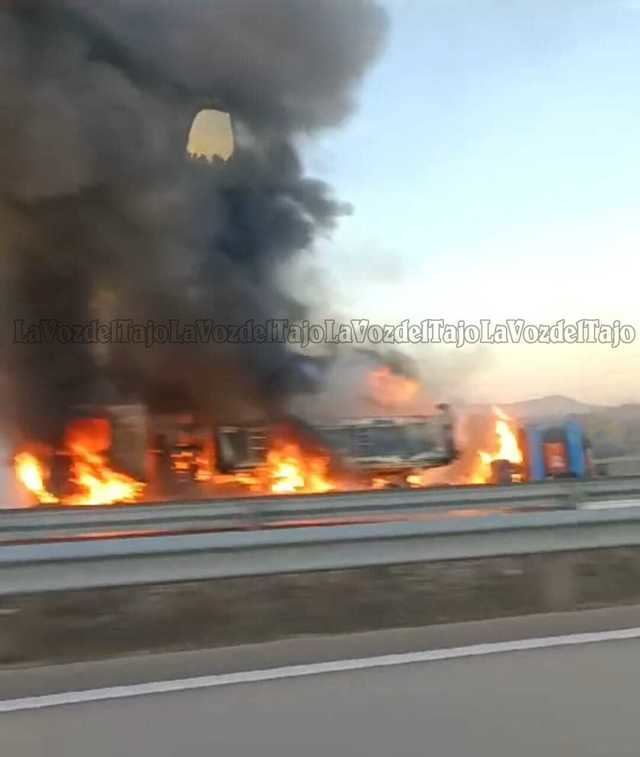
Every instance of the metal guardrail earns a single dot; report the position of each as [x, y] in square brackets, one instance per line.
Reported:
[256, 512]
[30, 568]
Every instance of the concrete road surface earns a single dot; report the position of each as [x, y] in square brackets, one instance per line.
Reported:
[577, 701]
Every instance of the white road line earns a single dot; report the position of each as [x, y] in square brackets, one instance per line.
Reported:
[312, 669]
[616, 504]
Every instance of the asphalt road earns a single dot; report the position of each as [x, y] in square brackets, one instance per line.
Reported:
[582, 701]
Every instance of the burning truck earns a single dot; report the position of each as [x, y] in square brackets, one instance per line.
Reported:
[124, 454]
[551, 450]
[128, 454]
[363, 452]
[287, 457]
[500, 450]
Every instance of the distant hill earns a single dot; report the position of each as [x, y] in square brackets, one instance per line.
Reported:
[555, 406]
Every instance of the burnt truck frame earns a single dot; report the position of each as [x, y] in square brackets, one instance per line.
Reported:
[378, 446]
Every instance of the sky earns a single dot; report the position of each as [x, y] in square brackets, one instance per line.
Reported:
[493, 168]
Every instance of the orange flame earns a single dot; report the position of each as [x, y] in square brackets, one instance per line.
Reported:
[192, 462]
[31, 474]
[193, 455]
[291, 472]
[100, 485]
[506, 448]
[391, 389]
[87, 442]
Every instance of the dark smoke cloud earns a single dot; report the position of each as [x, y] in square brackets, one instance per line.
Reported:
[99, 205]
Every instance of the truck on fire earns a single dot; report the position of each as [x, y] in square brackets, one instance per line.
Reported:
[386, 448]
[550, 450]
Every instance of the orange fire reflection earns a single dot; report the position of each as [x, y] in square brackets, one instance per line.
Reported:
[32, 473]
[506, 448]
[390, 389]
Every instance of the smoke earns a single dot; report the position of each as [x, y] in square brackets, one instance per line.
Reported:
[102, 215]
[350, 388]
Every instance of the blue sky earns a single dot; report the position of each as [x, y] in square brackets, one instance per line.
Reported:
[494, 168]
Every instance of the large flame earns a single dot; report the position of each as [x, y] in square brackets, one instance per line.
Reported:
[506, 448]
[292, 472]
[86, 443]
[289, 470]
[32, 473]
[99, 485]
[390, 389]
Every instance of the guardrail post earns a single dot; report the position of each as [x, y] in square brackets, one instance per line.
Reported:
[252, 517]
[558, 586]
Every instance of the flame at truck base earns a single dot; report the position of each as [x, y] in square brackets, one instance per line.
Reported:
[507, 449]
[92, 480]
[289, 471]
[31, 473]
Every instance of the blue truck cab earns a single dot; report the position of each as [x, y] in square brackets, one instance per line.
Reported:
[555, 450]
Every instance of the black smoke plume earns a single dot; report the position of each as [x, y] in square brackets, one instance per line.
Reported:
[101, 212]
